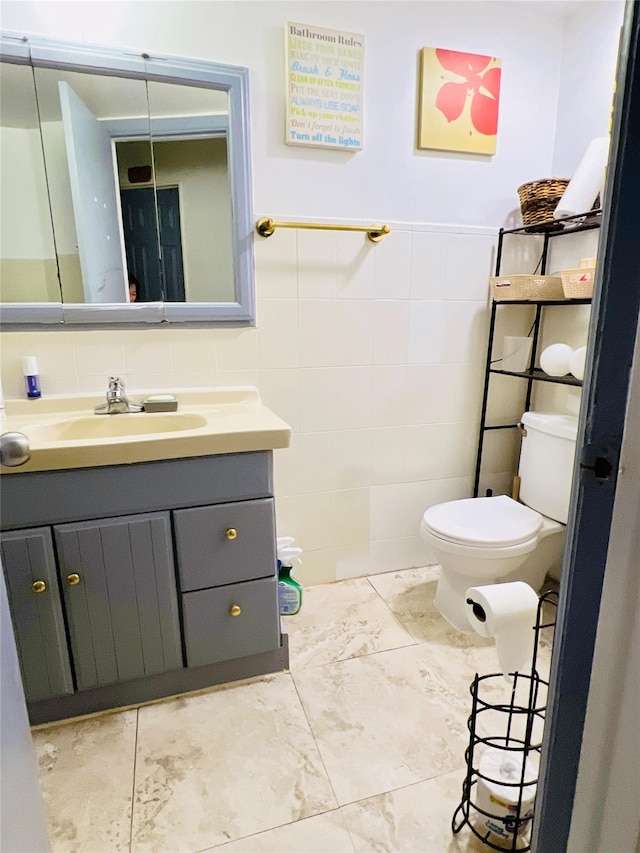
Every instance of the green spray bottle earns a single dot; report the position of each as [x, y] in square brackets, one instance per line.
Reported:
[289, 589]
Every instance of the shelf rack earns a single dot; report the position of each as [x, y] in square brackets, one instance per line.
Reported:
[548, 230]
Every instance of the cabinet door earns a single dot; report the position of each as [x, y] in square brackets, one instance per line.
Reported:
[36, 611]
[225, 543]
[120, 594]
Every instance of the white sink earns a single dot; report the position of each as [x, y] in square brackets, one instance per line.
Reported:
[114, 426]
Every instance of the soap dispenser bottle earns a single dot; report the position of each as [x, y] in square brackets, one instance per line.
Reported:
[289, 589]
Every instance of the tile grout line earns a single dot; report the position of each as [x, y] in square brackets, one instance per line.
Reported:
[416, 642]
[306, 716]
[133, 781]
[272, 829]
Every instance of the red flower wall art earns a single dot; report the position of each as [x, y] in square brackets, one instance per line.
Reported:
[459, 101]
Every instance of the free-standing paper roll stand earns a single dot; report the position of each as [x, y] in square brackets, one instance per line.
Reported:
[514, 727]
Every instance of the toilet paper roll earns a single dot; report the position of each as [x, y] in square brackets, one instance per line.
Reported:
[507, 612]
[499, 801]
[587, 182]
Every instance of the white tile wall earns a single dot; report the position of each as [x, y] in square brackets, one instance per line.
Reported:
[373, 353]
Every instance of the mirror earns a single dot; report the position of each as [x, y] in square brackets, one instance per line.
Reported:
[147, 194]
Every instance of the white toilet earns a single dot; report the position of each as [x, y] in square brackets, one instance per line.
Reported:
[493, 540]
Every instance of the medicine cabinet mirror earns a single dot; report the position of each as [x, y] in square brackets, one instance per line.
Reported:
[125, 188]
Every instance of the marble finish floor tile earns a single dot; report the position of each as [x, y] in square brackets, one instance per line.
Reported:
[86, 779]
[319, 834]
[384, 721]
[342, 620]
[410, 596]
[352, 750]
[416, 818]
[219, 766]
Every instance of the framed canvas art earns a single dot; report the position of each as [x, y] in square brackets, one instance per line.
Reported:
[325, 77]
[459, 101]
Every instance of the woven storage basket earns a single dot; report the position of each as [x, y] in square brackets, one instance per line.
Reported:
[538, 199]
[578, 284]
[509, 287]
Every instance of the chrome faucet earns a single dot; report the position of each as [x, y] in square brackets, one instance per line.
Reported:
[117, 401]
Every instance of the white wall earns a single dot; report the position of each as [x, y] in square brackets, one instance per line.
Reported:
[389, 178]
[373, 353]
[587, 79]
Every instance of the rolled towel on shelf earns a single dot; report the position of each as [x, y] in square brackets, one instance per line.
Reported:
[587, 182]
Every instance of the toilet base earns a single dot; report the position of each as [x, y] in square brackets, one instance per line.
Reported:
[452, 587]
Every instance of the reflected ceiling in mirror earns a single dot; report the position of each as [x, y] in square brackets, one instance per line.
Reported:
[130, 140]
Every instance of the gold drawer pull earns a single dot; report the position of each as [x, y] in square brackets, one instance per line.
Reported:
[231, 534]
[73, 579]
[236, 610]
[38, 586]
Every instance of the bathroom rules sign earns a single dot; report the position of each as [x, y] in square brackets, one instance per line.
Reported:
[324, 87]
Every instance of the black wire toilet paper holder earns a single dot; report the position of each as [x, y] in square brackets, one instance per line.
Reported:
[521, 720]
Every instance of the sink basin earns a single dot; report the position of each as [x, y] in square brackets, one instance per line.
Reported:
[115, 426]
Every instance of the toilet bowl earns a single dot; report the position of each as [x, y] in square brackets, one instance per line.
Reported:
[487, 540]
[497, 539]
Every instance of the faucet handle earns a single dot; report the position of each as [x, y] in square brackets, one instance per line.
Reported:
[116, 385]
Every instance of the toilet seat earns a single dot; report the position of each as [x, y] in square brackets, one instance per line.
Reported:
[491, 523]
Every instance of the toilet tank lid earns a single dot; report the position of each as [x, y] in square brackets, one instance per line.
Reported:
[490, 522]
[564, 426]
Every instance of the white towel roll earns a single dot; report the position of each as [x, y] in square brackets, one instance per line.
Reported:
[587, 182]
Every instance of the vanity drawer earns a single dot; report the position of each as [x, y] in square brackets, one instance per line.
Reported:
[231, 621]
[225, 543]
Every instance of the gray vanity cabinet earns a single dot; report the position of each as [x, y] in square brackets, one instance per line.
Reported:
[159, 578]
[120, 595]
[36, 612]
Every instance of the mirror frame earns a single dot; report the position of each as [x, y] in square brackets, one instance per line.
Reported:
[25, 49]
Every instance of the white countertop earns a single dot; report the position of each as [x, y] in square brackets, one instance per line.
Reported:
[215, 420]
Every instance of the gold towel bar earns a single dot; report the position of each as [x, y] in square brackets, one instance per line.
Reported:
[266, 226]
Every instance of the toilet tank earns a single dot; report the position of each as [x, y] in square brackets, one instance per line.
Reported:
[546, 463]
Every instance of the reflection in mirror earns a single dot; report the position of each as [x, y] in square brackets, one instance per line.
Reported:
[28, 269]
[77, 112]
[189, 133]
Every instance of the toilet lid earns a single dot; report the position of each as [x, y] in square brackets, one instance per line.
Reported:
[486, 522]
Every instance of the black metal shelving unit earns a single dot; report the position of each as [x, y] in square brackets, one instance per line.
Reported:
[548, 230]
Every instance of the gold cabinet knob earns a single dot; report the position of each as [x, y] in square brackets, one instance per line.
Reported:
[38, 586]
[236, 610]
[231, 534]
[73, 579]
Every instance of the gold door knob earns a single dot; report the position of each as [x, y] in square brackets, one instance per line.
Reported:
[73, 579]
[236, 610]
[231, 534]
[38, 586]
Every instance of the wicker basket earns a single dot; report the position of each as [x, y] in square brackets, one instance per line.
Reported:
[578, 284]
[538, 199]
[509, 287]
